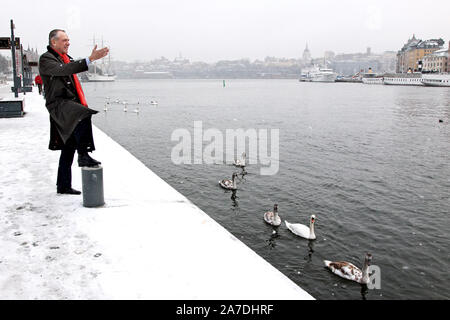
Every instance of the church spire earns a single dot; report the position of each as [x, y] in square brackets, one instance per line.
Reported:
[306, 55]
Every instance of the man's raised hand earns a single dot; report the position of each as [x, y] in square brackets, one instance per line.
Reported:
[98, 54]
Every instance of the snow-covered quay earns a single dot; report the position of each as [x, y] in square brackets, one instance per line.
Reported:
[147, 242]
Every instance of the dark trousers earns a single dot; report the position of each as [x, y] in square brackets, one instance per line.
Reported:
[76, 142]
[40, 88]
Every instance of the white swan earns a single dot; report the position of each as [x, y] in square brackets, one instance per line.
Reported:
[349, 271]
[105, 108]
[125, 109]
[136, 110]
[302, 230]
[229, 184]
[242, 162]
[273, 218]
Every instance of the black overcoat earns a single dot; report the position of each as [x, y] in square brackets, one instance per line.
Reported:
[61, 97]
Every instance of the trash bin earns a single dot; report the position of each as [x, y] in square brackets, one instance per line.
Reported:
[92, 180]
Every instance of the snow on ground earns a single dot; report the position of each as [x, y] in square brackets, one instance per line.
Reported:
[147, 242]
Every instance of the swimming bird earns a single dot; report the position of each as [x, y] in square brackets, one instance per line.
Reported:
[240, 162]
[349, 271]
[153, 102]
[229, 184]
[273, 218]
[125, 109]
[136, 110]
[302, 230]
[105, 108]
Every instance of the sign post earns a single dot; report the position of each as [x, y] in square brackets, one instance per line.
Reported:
[22, 74]
[17, 83]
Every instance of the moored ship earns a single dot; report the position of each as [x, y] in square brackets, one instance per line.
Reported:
[436, 80]
[403, 79]
[317, 74]
[105, 74]
[95, 77]
[372, 78]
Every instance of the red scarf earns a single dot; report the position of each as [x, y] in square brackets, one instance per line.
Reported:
[80, 92]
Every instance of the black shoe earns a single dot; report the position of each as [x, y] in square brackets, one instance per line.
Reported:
[84, 160]
[68, 191]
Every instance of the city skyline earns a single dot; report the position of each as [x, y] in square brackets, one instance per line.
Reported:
[211, 31]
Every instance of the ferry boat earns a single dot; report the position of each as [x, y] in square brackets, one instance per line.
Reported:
[348, 80]
[436, 80]
[372, 78]
[403, 79]
[317, 74]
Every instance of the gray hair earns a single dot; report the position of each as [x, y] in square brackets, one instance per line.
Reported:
[53, 35]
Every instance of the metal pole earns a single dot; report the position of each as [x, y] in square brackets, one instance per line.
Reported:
[23, 71]
[13, 51]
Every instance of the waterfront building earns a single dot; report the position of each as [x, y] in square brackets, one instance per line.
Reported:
[409, 58]
[448, 61]
[436, 61]
[350, 64]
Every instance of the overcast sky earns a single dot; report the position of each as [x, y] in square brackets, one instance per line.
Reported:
[212, 30]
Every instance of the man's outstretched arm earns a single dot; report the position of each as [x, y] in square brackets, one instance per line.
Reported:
[49, 65]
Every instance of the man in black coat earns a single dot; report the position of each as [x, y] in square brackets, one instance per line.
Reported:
[70, 117]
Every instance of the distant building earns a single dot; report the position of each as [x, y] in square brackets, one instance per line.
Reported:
[349, 64]
[306, 56]
[180, 60]
[329, 55]
[409, 58]
[448, 62]
[448, 56]
[436, 61]
[32, 57]
[388, 61]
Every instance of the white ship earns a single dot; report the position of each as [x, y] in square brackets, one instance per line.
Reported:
[105, 76]
[403, 79]
[317, 74]
[372, 78]
[436, 80]
[95, 77]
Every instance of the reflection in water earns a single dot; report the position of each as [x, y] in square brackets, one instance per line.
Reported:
[271, 242]
[234, 198]
[364, 291]
[242, 175]
[308, 257]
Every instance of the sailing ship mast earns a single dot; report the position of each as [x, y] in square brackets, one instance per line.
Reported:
[95, 65]
[105, 75]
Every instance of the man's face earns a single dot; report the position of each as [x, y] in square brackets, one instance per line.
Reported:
[61, 43]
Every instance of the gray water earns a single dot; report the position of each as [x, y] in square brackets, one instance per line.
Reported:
[371, 162]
